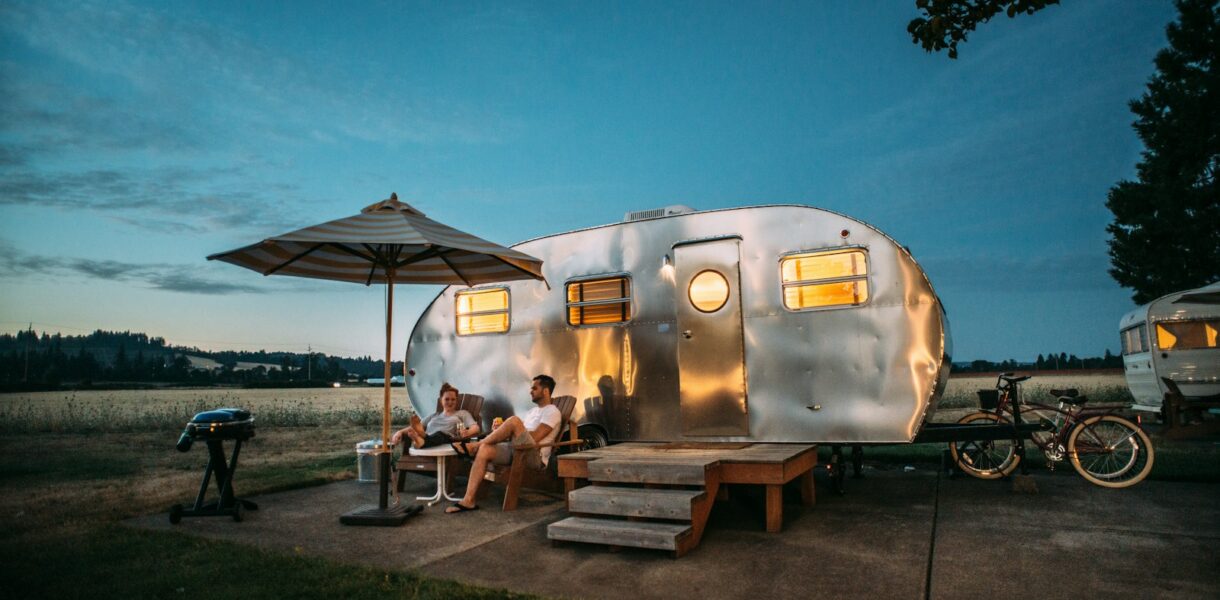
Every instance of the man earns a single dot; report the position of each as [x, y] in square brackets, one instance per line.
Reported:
[540, 426]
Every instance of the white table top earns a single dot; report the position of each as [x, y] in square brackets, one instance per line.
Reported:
[443, 450]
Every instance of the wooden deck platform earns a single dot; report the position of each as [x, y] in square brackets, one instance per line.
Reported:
[770, 465]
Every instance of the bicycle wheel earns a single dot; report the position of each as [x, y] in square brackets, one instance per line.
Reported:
[985, 459]
[1110, 451]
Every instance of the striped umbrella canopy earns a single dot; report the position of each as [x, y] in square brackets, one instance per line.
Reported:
[388, 242]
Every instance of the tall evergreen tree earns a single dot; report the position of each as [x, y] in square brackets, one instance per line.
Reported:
[1166, 231]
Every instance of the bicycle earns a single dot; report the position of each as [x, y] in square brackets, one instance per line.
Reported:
[1104, 448]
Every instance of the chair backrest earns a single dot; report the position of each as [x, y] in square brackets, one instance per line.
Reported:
[471, 403]
[565, 404]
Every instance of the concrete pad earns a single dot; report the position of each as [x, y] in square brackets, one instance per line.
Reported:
[871, 543]
[1072, 539]
[1153, 540]
[307, 521]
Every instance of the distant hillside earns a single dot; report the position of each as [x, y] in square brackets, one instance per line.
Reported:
[29, 360]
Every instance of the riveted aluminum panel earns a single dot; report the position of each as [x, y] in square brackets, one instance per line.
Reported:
[870, 373]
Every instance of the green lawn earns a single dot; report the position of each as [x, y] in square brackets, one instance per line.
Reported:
[113, 561]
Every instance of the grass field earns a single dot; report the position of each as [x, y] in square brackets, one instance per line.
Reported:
[74, 464]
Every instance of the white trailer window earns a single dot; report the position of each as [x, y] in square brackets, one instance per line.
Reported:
[599, 301]
[1187, 335]
[824, 279]
[481, 311]
[1135, 339]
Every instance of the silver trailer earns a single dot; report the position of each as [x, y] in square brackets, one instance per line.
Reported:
[767, 324]
[1173, 336]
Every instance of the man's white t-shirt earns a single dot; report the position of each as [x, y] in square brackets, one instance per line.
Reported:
[539, 415]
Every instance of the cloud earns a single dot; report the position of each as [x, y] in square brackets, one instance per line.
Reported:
[167, 199]
[161, 276]
[138, 77]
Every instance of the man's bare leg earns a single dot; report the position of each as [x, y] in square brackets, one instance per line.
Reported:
[484, 452]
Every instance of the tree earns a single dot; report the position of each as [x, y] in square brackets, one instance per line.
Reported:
[946, 22]
[1165, 236]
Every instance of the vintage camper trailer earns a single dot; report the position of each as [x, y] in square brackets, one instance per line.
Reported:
[1175, 337]
[769, 323]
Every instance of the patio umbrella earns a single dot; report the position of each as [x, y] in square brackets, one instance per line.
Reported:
[388, 242]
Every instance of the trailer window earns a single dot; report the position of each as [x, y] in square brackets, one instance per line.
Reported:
[1187, 335]
[599, 301]
[1135, 339]
[481, 311]
[825, 279]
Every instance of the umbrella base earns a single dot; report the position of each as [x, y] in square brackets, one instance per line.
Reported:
[375, 516]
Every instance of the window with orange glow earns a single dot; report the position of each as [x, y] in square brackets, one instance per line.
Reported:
[481, 311]
[1187, 335]
[708, 291]
[599, 301]
[825, 279]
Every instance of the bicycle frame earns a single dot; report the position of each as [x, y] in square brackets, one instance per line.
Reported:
[1065, 418]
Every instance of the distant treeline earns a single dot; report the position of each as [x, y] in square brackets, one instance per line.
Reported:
[32, 361]
[1049, 362]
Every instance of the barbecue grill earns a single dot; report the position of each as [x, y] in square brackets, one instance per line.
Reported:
[214, 427]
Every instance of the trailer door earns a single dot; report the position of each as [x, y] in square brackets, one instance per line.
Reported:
[711, 366]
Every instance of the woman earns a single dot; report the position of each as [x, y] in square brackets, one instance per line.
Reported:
[440, 428]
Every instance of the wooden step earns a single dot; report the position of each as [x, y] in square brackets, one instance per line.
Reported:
[635, 534]
[634, 502]
[667, 471]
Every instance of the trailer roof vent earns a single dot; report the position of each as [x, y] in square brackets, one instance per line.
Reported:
[656, 213]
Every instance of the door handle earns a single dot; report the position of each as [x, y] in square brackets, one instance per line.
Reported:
[686, 334]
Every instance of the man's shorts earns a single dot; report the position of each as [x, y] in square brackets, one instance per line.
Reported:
[504, 452]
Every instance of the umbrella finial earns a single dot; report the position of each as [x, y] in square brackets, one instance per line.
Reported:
[392, 204]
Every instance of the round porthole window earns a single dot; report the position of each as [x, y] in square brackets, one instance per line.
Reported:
[708, 291]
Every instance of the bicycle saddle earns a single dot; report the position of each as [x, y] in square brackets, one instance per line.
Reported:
[1070, 396]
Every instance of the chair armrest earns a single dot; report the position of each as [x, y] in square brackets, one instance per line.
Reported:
[549, 445]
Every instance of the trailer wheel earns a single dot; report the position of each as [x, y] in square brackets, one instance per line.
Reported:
[594, 437]
[985, 459]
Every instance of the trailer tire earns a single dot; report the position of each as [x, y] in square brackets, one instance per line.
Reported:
[990, 459]
[593, 436]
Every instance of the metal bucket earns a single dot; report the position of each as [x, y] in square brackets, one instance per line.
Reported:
[366, 461]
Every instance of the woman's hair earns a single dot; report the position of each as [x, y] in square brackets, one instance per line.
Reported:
[445, 387]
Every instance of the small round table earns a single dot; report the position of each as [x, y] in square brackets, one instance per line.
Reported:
[441, 453]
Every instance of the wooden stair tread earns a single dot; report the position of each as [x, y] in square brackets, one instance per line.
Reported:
[635, 534]
[662, 471]
[634, 502]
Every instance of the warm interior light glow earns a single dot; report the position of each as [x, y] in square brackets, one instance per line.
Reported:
[1194, 334]
[708, 291]
[822, 279]
[599, 301]
[481, 311]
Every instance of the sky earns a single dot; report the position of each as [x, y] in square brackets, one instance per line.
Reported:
[138, 138]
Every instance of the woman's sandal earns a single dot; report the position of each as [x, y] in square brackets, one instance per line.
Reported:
[459, 508]
[460, 448]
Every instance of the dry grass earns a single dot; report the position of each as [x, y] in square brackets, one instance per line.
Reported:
[1106, 388]
[147, 410]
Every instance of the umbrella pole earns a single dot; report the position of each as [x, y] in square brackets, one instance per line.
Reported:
[383, 514]
[384, 476]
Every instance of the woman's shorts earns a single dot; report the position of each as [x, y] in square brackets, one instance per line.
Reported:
[504, 452]
[439, 438]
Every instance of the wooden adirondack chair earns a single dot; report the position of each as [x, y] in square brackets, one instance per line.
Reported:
[472, 403]
[517, 475]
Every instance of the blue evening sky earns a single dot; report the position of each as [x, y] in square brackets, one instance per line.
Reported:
[137, 138]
